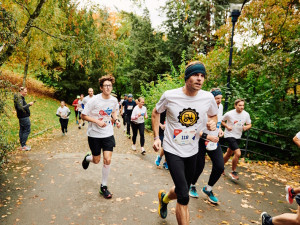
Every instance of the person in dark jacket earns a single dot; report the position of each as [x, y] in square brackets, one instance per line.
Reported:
[23, 114]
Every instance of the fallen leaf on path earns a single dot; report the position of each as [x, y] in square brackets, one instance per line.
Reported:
[246, 206]
[293, 210]
[153, 210]
[224, 222]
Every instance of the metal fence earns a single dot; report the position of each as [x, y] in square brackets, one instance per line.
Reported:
[247, 139]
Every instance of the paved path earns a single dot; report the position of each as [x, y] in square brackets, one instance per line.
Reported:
[49, 186]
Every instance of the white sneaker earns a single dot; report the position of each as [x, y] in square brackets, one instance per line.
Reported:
[125, 129]
[26, 148]
[143, 151]
[133, 147]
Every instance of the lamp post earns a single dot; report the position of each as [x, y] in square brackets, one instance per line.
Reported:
[236, 7]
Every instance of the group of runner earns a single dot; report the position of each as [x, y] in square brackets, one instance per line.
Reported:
[186, 120]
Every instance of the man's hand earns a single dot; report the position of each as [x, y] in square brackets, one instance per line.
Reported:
[157, 145]
[211, 125]
[213, 138]
[221, 133]
[229, 128]
[100, 123]
[31, 103]
[118, 124]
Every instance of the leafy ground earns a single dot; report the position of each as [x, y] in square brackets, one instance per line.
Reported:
[48, 186]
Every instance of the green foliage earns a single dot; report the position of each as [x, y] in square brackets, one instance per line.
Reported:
[6, 93]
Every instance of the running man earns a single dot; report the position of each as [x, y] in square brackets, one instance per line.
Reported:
[80, 109]
[128, 107]
[236, 120]
[75, 104]
[287, 218]
[162, 126]
[99, 112]
[63, 112]
[87, 99]
[122, 111]
[138, 116]
[186, 108]
[208, 143]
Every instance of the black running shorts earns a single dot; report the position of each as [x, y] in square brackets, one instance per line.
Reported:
[297, 198]
[96, 144]
[233, 143]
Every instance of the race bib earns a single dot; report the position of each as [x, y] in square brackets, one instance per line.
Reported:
[140, 119]
[184, 137]
[210, 146]
[107, 119]
[238, 124]
[129, 107]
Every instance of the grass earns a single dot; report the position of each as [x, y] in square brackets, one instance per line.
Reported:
[43, 116]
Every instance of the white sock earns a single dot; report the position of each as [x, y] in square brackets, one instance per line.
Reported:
[209, 188]
[105, 173]
[193, 185]
[89, 158]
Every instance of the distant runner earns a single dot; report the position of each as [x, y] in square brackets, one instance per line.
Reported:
[236, 120]
[63, 112]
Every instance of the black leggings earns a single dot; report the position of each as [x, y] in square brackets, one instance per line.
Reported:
[64, 124]
[182, 172]
[216, 157]
[141, 128]
[124, 119]
[128, 121]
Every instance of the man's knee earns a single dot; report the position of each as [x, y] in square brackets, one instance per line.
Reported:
[183, 200]
[237, 153]
[107, 161]
[96, 160]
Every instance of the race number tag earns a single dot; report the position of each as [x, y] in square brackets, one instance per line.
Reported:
[141, 118]
[129, 107]
[184, 137]
[107, 119]
[210, 146]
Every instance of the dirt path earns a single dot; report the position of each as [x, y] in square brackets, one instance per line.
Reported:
[48, 186]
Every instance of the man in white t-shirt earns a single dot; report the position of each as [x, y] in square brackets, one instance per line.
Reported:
[296, 139]
[236, 120]
[186, 108]
[100, 111]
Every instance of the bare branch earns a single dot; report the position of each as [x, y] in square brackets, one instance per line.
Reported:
[23, 6]
[51, 35]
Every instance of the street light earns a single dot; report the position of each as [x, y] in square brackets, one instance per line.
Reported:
[236, 7]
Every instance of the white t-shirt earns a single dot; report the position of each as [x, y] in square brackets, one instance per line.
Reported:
[80, 103]
[298, 135]
[86, 99]
[121, 102]
[184, 120]
[63, 111]
[135, 113]
[236, 121]
[100, 109]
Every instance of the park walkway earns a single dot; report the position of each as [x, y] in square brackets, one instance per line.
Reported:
[48, 186]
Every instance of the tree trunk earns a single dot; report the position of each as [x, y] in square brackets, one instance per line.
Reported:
[9, 48]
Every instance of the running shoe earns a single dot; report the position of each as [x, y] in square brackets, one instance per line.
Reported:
[193, 192]
[83, 124]
[25, 148]
[157, 161]
[162, 207]
[265, 219]
[105, 192]
[165, 166]
[85, 163]
[210, 194]
[79, 127]
[289, 195]
[143, 151]
[234, 175]
[125, 129]
[76, 121]
[133, 147]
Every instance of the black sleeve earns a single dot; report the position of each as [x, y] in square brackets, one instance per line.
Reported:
[58, 115]
[18, 102]
[69, 113]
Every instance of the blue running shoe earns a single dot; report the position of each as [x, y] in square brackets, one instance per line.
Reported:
[193, 192]
[210, 194]
[165, 166]
[157, 161]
